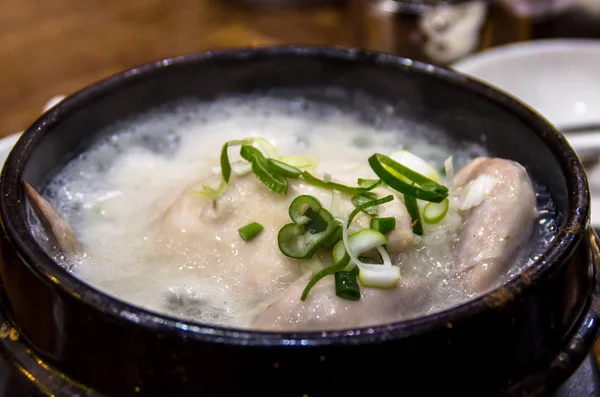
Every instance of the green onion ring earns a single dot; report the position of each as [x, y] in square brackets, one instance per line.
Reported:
[313, 180]
[421, 188]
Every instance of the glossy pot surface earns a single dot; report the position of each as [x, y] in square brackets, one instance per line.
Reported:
[522, 339]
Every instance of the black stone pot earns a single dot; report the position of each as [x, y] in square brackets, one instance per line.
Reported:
[523, 339]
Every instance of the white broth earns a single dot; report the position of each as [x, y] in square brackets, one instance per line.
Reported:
[144, 245]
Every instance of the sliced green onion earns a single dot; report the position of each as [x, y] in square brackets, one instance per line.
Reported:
[366, 182]
[302, 207]
[369, 260]
[250, 231]
[313, 180]
[210, 192]
[383, 225]
[241, 167]
[416, 163]
[368, 204]
[435, 212]
[320, 275]
[380, 276]
[225, 165]
[369, 196]
[312, 228]
[266, 146]
[413, 209]
[360, 242]
[335, 236]
[274, 182]
[360, 199]
[346, 285]
[392, 174]
[335, 203]
[262, 142]
[283, 169]
[302, 162]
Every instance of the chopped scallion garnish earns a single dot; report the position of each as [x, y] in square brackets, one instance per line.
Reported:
[283, 169]
[416, 164]
[241, 167]
[380, 276]
[368, 204]
[210, 192]
[225, 165]
[366, 182]
[273, 181]
[313, 180]
[413, 209]
[395, 175]
[383, 225]
[335, 203]
[435, 212]
[250, 231]
[361, 241]
[385, 275]
[312, 228]
[360, 199]
[302, 162]
[335, 236]
[318, 276]
[266, 146]
[346, 285]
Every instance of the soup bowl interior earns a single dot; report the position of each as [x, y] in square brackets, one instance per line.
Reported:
[520, 324]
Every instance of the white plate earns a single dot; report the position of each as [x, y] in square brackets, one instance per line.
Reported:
[6, 144]
[559, 78]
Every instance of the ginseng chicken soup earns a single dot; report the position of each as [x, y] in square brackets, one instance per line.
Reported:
[285, 215]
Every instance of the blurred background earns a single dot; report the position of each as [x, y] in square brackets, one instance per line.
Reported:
[50, 48]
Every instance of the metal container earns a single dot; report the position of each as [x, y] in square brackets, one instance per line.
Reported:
[445, 31]
[438, 32]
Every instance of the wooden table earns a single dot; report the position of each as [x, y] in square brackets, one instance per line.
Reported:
[50, 48]
[56, 47]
